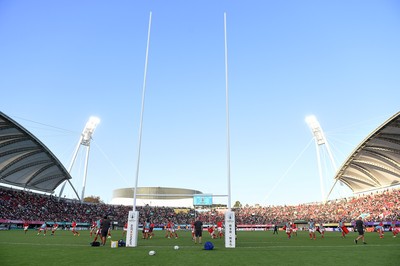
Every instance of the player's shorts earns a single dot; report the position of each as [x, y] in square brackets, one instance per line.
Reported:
[146, 230]
[125, 229]
[288, 230]
[198, 233]
[26, 227]
[219, 229]
[311, 230]
[104, 233]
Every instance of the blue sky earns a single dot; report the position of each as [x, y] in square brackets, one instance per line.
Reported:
[64, 61]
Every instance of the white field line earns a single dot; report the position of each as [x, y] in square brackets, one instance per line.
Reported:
[197, 246]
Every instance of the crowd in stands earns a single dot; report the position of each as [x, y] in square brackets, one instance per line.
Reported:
[29, 206]
[378, 206]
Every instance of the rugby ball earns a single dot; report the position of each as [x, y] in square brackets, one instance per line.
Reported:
[152, 252]
[176, 247]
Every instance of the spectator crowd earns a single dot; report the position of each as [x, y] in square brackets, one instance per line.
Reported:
[28, 206]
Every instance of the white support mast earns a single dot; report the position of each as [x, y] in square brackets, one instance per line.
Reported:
[320, 140]
[84, 140]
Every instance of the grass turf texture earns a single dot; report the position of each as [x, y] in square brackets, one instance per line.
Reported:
[252, 248]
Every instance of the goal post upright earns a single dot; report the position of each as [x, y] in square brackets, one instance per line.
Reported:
[133, 216]
[230, 228]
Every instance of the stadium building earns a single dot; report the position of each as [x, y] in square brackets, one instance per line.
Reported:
[155, 196]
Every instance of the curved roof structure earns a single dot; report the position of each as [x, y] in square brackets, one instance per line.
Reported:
[375, 163]
[25, 161]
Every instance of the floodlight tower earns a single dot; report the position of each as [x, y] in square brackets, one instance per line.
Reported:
[84, 140]
[320, 140]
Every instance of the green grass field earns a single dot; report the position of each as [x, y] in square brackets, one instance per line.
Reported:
[252, 248]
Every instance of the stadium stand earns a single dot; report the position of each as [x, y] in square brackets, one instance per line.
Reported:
[17, 206]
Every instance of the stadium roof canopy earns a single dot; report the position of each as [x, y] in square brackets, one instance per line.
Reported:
[25, 161]
[375, 163]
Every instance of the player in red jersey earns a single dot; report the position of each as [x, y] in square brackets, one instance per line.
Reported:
[73, 229]
[168, 230]
[54, 228]
[211, 230]
[393, 228]
[93, 228]
[379, 229]
[219, 229]
[151, 231]
[321, 228]
[294, 229]
[98, 230]
[342, 228]
[26, 227]
[173, 231]
[125, 229]
[193, 231]
[288, 229]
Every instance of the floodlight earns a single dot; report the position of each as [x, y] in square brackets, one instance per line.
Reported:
[316, 129]
[89, 130]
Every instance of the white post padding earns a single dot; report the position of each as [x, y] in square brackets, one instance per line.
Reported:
[133, 226]
[230, 230]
